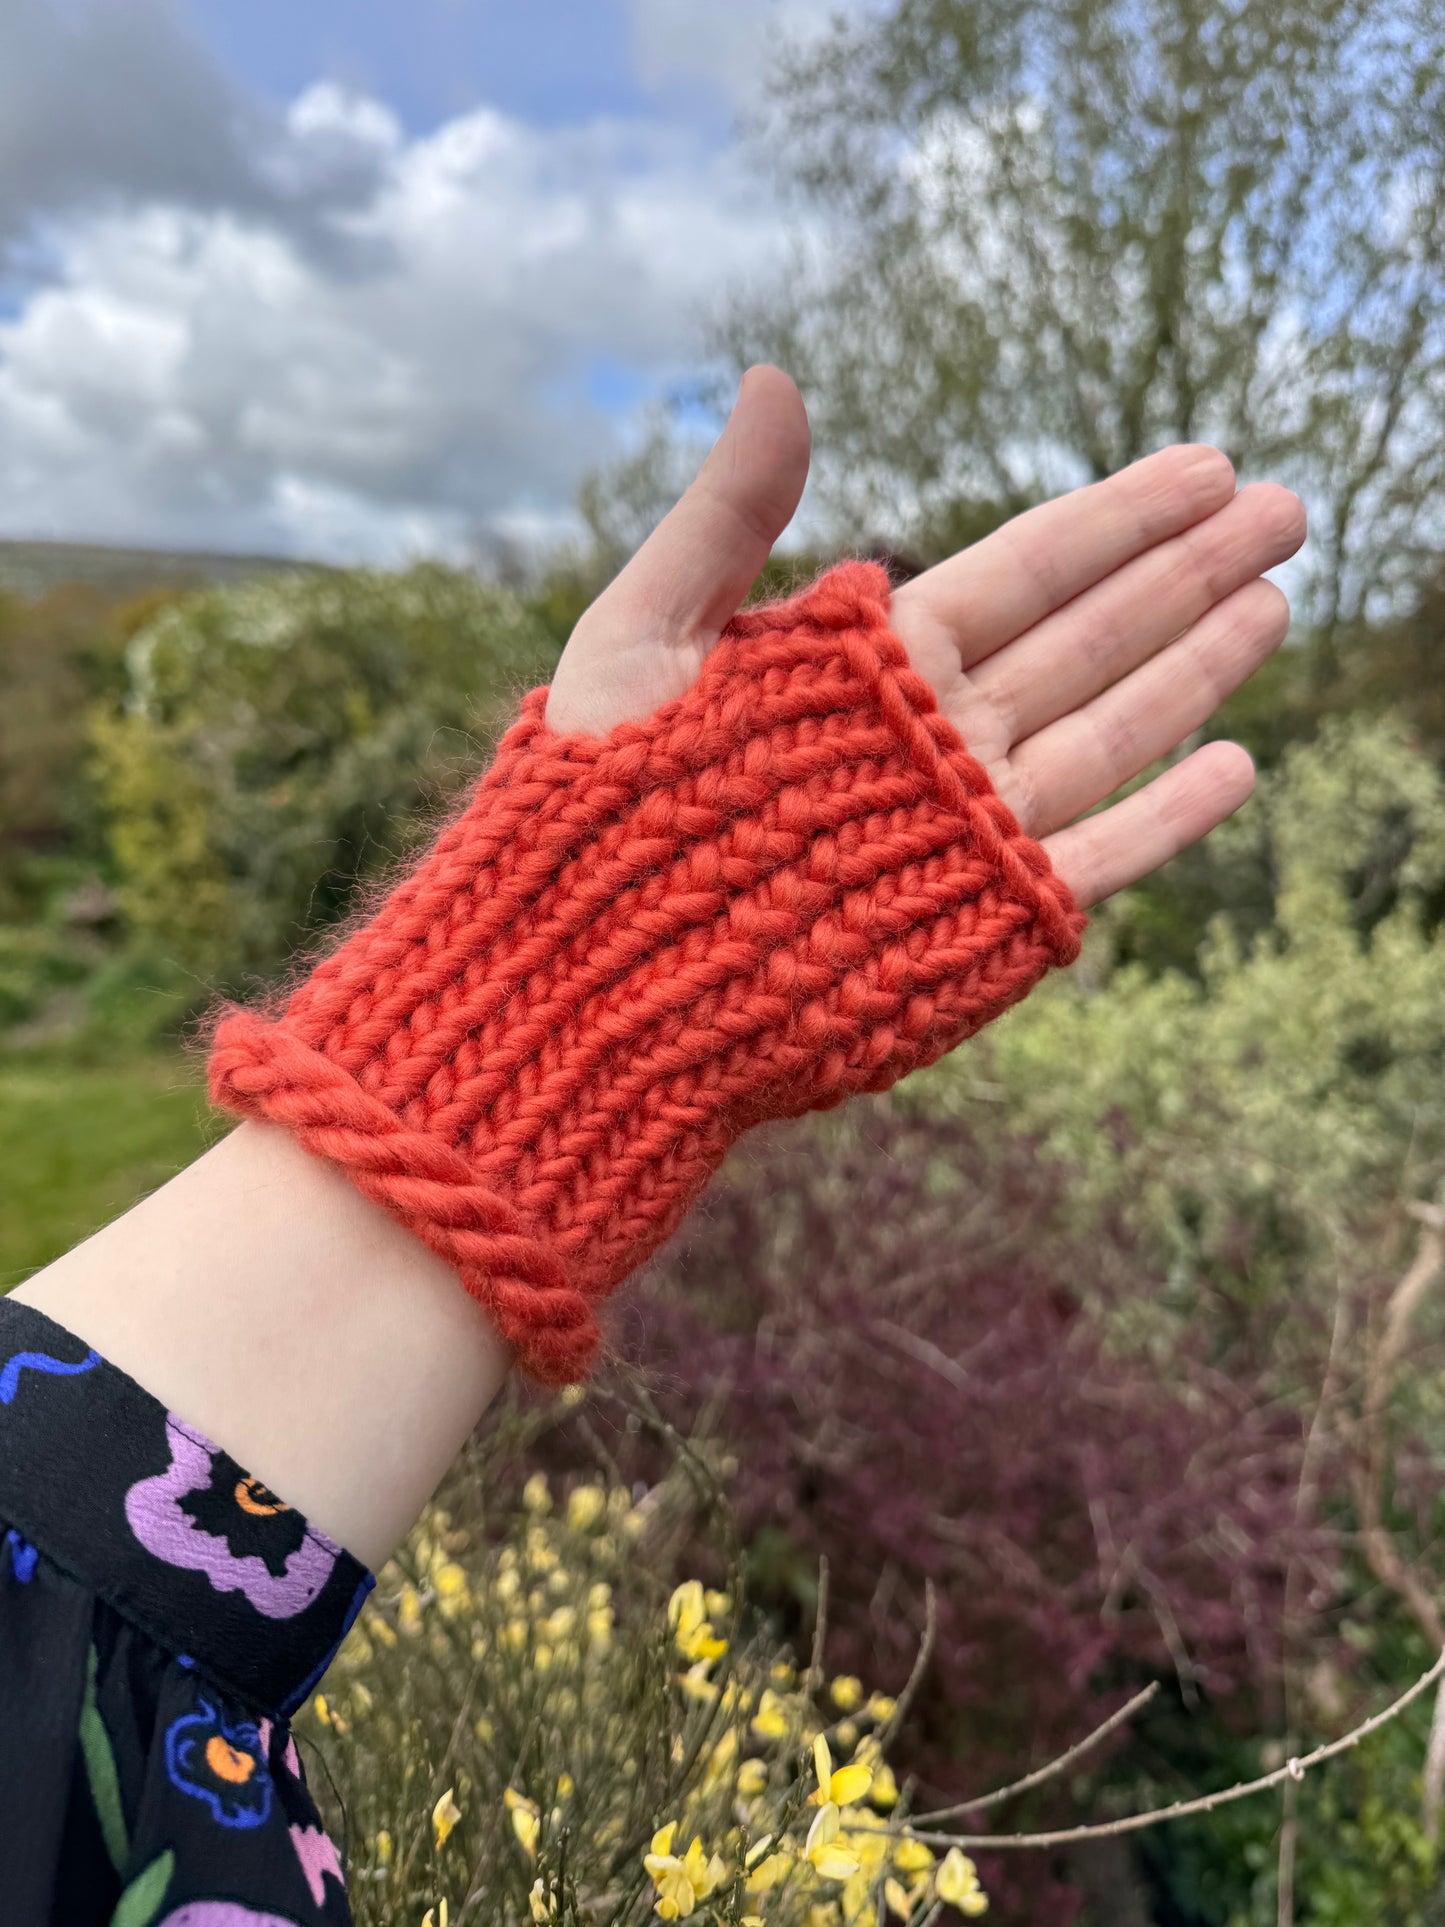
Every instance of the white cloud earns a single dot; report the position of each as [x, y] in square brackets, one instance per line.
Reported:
[329, 111]
[728, 48]
[218, 375]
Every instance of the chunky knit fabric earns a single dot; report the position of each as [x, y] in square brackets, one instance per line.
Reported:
[791, 884]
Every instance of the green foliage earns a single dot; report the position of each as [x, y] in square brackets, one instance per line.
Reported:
[1361, 1855]
[35, 963]
[282, 739]
[1259, 1117]
[1395, 664]
[57, 654]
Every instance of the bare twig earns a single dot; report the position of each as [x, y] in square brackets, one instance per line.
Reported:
[820, 1629]
[1207, 1802]
[1054, 1767]
[1321, 1426]
[920, 1665]
[1368, 1479]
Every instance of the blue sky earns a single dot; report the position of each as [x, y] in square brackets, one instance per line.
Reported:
[550, 64]
[360, 278]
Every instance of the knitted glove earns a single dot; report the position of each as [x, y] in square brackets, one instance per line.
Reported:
[790, 884]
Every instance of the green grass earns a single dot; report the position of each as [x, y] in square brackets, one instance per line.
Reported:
[80, 1145]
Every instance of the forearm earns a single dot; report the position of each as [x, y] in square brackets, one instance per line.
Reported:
[276, 1309]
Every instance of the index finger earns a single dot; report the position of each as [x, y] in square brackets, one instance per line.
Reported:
[989, 594]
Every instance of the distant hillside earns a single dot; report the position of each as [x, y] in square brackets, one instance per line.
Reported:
[30, 568]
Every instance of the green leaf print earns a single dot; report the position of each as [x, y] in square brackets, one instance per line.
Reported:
[145, 1896]
[100, 1770]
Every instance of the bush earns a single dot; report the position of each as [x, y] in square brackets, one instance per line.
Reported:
[891, 1326]
[1264, 1117]
[281, 739]
[524, 1726]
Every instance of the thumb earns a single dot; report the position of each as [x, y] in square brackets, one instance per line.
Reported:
[643, 640]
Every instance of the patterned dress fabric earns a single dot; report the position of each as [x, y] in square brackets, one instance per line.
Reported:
[162, 1614]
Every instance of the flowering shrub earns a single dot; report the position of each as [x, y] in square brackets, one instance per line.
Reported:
[900, 1342]
[525, 1726]
[925, 1375]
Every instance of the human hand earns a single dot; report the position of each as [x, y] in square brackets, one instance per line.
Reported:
[1070, 649]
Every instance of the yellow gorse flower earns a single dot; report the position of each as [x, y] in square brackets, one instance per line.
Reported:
[771, 1722]
[444, 1816]
[439, 1919]
[842, 1786]
[696, 1684]
[911, 1856]
[897, 1901]
[537, 1616]
[586, 1505]
[526, 1821]
[824, 1852]
[769, 1872]
[691, 1628]
[957, 1882]
[681, 1883]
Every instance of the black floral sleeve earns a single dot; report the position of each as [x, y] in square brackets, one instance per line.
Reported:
[162, 1614]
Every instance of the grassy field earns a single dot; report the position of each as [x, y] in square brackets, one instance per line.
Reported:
[32, 568]
[79, 1145]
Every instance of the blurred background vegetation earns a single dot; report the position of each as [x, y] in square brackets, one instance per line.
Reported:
[1123, 1330]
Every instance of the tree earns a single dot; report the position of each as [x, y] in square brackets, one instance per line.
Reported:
[1046, 236]
[281, 740]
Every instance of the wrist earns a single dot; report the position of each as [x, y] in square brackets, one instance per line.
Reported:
[270, 1305]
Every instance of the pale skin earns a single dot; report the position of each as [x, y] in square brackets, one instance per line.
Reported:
[274, 1307]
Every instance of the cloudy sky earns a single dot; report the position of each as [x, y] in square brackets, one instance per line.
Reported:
[357, 278]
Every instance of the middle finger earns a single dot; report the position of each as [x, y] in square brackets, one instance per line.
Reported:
[1123, 621]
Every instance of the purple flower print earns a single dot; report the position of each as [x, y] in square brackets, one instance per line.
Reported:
[166, 1527]
[220, 1761]
[318, 1857]
[222, 1913]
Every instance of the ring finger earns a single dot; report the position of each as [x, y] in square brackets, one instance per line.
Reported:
[1109, 631]
[1072, 764]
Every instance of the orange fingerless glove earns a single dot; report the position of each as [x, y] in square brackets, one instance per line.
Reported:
[791, 884]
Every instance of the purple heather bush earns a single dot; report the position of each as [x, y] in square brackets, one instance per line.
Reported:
[918, 1370]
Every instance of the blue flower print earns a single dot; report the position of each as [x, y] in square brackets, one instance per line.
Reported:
[40, 1362]
[22, 1556]
[222, 1762]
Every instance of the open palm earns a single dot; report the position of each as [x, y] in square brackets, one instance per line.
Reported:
[1071, 648]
